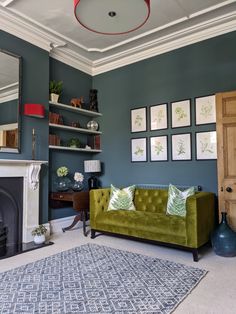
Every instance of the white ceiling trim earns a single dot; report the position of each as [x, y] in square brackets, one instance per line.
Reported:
[14, 25]
[167, 43]
[9, 92]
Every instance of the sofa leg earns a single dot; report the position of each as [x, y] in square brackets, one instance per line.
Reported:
[195, 255]
[93, 232]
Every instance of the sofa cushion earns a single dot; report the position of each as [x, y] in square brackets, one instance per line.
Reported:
[142, 221]
[121, 198]
[176, 204]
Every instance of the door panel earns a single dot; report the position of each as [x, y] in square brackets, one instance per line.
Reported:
[226, 154]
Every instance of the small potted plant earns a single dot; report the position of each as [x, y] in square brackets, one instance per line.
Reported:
[74, 143]
[39, 234]
[63, 182]
[55, 90]
[78, 182]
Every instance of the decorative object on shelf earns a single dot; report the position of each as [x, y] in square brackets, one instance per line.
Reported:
[77, 102]
[93, 100]
[223, 239]
[78, 182]
[75, 124]
[112, 22]
[139, 120]
[92, 166]
[34, 110]
[74, 142]
[92, 125]
[39, 234]
[55, 90]
[63, 183]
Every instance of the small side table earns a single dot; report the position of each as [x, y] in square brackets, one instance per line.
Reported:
[80, 202]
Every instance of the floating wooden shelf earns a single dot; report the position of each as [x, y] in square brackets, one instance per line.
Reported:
[77, 110]
[71, 128]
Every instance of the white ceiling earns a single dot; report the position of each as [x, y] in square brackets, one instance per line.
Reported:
[51, 25]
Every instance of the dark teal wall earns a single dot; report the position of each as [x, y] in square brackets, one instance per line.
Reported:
[200, 69]
[75, 84]
[35, 81]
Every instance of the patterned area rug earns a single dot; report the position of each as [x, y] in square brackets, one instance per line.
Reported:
[97, 280]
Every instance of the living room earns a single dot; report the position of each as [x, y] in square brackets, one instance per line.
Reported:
[187, 72]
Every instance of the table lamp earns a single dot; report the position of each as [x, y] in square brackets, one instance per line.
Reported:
[92, 166]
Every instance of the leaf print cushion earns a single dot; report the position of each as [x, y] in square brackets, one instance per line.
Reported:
[176, 204]
[121, 198]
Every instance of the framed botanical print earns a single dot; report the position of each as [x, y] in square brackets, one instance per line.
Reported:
[139, 149]
[205, 110]
[206, 145]
[158, 117]
[158, 148]
[180, 114]
[139, 120]
[181, 146]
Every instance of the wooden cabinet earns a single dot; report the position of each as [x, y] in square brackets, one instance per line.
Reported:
[76, 130]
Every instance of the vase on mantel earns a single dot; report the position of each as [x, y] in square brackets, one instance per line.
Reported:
[224, 239]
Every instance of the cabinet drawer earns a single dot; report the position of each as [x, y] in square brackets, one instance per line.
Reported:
[61, 196]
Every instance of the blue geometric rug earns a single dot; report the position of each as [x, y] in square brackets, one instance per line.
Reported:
[97, 280]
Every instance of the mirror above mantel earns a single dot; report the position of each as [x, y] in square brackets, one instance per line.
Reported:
[10, 86]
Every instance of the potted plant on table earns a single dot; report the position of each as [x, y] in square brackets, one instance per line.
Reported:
[78, 182]
[63, 183]
[39, 234]
[55, 90]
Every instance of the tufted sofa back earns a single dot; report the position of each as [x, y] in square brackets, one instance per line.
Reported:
[151, 200]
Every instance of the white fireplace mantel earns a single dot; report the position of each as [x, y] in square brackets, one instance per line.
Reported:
[29, 170]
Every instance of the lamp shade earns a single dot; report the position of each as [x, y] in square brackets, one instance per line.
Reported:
[112, 17]
[34, 110]
[92, 166]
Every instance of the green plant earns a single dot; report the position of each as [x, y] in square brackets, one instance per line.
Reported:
[62, 171]
[74, 142]
[40, 230]
[55, 87]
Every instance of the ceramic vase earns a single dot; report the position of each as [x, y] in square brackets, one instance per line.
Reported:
[39, 239]
[54, 97]
[224, 239]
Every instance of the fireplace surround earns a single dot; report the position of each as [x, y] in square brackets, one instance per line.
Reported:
[29, 171]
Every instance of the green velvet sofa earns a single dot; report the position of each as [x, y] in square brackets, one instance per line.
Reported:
[149, 222]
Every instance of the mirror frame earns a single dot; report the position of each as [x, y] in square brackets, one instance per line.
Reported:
[17, 150]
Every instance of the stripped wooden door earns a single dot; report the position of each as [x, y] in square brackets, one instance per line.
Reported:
[226, 153]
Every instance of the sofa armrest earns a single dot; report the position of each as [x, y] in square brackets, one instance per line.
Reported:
[99, 200]
[200, 218]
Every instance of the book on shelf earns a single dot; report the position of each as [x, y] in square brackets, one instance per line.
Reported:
[54, 140]
[55, 118]
[94, 141]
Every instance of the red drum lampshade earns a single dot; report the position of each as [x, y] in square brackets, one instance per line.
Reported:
[34, 110]
[112, 17]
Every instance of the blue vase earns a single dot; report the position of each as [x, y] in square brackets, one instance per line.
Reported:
[224, 239]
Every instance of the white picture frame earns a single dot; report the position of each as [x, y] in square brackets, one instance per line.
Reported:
[158, 148]
[158, 117]
[205, 110]
[139, 149]
[181, 146]
[139, 120]
[206, 145]
[180, 114]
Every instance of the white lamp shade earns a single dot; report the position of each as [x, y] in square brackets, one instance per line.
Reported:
[92, 166]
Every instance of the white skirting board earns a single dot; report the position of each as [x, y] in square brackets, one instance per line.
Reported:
[56, 225]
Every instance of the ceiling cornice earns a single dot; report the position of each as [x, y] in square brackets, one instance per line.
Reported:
[10, 92]
[57, 47]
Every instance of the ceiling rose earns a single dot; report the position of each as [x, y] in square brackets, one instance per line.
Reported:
[112, 17]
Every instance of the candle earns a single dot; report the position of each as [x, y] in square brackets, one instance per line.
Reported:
[33, 131]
